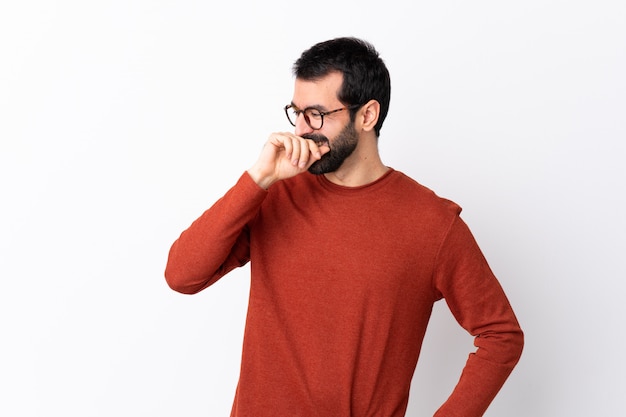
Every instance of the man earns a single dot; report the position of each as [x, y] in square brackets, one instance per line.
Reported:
[347, 258]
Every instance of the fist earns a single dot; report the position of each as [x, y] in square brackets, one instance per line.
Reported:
[285, 155]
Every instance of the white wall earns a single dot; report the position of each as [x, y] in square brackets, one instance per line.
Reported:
[121, 121]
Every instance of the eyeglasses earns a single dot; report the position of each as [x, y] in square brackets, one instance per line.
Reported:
[312, 116]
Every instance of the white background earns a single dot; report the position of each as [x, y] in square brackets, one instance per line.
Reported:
[121, 121]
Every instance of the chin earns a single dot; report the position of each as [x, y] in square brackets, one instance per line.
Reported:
[324, 166]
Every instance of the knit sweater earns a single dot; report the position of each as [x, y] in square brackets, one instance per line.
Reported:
[343, 282]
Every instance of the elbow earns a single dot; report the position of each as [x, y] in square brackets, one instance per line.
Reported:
[503, 347]
[519, 345]
[180, 282]
[182, 275]
[514, 342]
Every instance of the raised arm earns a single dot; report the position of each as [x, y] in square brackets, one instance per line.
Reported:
[217, 242]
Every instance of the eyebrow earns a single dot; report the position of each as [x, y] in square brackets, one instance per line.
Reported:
[315, 106]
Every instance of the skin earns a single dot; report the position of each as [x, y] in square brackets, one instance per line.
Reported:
[285, 155]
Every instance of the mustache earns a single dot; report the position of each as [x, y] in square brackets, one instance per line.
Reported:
[320, 140]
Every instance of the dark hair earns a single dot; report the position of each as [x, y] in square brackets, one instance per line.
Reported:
[365, 76]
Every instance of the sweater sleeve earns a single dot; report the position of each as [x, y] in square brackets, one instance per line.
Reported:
[479, 304]
[217, 242]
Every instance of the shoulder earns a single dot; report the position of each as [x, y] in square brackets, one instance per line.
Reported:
[416, 194]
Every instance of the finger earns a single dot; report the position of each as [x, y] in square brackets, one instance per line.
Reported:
[305, 154]
[287, 146]
[316, 150]
[296, 154]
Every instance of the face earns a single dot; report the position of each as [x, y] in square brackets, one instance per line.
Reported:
[338, 132]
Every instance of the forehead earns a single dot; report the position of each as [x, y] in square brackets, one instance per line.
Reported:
[321, 92]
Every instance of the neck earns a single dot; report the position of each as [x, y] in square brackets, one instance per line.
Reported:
[362, 167]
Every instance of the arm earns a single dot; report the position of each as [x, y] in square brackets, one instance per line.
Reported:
[218, 241]
[479, 304]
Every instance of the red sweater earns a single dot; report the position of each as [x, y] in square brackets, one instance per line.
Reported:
[342, 287]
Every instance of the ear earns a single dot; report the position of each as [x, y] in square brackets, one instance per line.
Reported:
[369, 115]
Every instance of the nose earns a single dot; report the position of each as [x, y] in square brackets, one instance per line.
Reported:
[302, 127]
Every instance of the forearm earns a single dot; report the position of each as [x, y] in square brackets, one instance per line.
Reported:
[216, 242]
[482, 378]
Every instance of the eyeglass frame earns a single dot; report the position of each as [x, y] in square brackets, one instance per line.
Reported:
[322, 113]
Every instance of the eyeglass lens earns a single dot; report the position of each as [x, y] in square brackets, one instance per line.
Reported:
[312, 117]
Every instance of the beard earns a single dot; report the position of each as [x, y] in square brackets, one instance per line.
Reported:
[341, 147]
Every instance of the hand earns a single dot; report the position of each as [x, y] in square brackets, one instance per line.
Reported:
[285, 155]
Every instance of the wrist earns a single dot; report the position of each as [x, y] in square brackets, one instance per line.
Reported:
[263, 181]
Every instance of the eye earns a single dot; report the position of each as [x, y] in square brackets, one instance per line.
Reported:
[314, 114]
